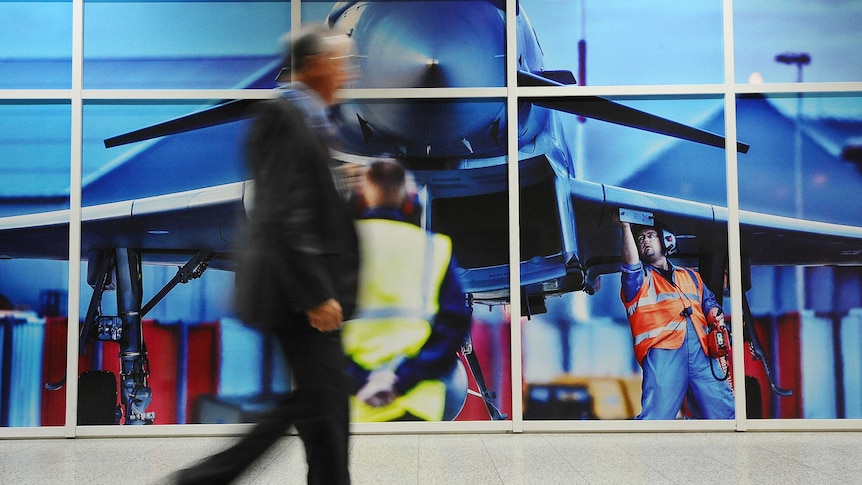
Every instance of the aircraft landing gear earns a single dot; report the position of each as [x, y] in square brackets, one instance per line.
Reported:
[486, 394]
[125, 329]
[120, 269]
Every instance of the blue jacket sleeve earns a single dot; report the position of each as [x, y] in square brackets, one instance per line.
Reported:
[708, 300]
[357, 375]
[450, 329]
[632, 279]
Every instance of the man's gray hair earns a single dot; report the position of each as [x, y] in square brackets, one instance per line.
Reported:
[297, 46]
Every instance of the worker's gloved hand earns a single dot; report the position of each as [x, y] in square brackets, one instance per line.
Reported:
[379, 390]
[715, 317]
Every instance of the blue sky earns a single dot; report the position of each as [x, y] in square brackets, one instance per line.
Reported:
[656, 42]
[632, 42]
[681, 42]
[677, 42]
[135, 29]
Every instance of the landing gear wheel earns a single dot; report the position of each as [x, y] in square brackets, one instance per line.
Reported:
[97, 398]
[753, 398]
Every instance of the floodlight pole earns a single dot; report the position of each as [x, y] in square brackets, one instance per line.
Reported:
[800, 60]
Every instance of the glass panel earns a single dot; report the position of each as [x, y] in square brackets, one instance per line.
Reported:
[619, 42]
[34, 156]
[203, 365]
[802, 161]
[801, 230]
[455, 150]
[34, 236]
[136, 215]
[577, 349]
[430, 44]
[182, 45]
[36, 45]
[662, 163]
[779, 42]
[119, 165]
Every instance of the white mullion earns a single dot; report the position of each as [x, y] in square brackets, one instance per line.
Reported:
[794, 88]
[622, 90]
[514, 218]
[423, 93]
[31, 94]
[175, 94]
[75, 171]
[733, 239]
[295, 15]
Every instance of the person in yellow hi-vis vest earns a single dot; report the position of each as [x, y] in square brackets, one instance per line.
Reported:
[412, 315]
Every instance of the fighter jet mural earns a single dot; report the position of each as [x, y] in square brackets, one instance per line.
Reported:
[457, 150]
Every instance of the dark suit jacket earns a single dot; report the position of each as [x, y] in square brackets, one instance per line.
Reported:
[300, 246]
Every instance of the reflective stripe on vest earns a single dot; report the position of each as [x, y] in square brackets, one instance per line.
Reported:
[402, 268]
[655, 313]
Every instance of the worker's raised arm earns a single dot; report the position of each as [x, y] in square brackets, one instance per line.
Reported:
[629, 251]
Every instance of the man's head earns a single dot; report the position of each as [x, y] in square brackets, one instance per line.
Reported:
[320, 58]
[385, 185]
[652, 243]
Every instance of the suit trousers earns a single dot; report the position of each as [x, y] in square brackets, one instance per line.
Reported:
[318, 407]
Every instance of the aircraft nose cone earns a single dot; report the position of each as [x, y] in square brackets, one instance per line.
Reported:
[430, 44]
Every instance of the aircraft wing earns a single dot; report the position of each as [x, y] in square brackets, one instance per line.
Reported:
[167, 228]
[777, 240]
[702, 229]
[221, 113]
[606, 110]
[589, 106]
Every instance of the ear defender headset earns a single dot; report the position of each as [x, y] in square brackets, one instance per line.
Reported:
[668, 241]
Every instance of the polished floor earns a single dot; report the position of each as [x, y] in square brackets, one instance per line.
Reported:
[784, 458]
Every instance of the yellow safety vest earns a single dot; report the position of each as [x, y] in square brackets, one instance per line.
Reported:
[655, 313]
[399, 282]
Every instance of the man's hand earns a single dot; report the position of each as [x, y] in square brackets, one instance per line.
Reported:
[379, 390]
[616, 218]
[715, 317]
[327, 316]
[629, 250]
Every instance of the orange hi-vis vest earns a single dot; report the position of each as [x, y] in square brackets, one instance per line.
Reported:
[657, 313]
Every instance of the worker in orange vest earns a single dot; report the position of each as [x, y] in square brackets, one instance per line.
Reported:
[669, 309]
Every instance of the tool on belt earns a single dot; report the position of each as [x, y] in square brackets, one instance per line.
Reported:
[718, 342]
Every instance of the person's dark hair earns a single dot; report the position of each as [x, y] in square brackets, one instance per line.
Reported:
[638, 228]
[388, 175]
[6, 303]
